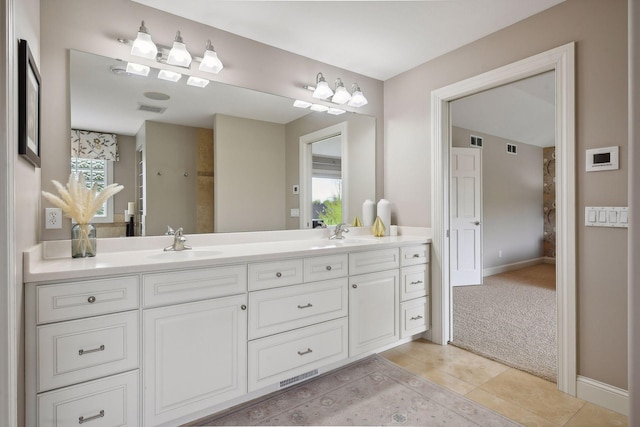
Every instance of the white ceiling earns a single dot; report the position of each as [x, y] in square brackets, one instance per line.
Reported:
[523, 111]
[379, 39]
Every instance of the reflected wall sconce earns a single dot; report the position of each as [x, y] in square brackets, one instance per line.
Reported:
[138, 69]
[340, 96]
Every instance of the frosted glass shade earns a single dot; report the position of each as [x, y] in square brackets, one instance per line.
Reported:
[144, 47]
[169, 75]
[179, 55]
[322, 91]
[357, 99]
[211, 63]
[341, 96]
[197, 81]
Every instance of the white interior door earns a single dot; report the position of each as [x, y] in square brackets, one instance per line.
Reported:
[466, 225]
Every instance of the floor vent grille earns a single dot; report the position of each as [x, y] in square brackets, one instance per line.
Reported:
[297, 378]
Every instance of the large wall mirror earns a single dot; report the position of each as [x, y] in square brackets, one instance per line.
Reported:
[214, 159]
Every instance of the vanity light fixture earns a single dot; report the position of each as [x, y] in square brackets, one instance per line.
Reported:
[197, 81]
[138, 69]
[210, 61]
[143, 46]
[179, 55]
[357, 98]
[322, 89]
[169, 75]
[341, 95]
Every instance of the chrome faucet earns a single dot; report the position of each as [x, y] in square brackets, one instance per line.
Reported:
[338, 231]
[178, 241]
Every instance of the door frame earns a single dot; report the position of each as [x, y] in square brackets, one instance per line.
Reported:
[562, 61]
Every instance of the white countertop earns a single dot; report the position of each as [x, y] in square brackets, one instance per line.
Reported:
[51, 261]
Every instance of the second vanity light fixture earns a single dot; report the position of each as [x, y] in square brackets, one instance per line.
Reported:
[177, 55]
[341, 95]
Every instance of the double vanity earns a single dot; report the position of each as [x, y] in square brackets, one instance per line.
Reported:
[139, 336]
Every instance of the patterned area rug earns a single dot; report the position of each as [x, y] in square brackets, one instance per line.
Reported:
[372, 391]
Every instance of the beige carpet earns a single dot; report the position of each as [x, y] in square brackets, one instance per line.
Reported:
[372, 391]
[511, 318]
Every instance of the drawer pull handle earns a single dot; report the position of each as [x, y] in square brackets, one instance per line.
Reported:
[95, 417]
[93, 350]
[91, 299]
[278, 274]
[244, 307]
[302, 353]
[417, 282]
[354, 286]
[305, 306]
[328, 268]
[418, 317]
[416, 255]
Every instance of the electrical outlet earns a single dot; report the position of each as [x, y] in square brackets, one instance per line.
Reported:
[296, 189]
[53, 218]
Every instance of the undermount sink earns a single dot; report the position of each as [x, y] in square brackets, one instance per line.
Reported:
[336, 243]
[186, 254]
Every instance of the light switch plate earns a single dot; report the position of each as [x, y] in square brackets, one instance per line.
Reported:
[295, 213]
[606, 217]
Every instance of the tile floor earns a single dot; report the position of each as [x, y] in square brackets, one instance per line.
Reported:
[522, 397]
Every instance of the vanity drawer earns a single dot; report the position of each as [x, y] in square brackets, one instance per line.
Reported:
[326, 267]
[286, 355]
[193, 285]
[80, 350]
[414, 317]
[371, 261]
[265, 275]
[412, 255]
[277, 310]
[109, 402]
[66, 301]
[415, 282]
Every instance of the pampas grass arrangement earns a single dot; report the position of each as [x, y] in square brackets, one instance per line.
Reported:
[81, 203]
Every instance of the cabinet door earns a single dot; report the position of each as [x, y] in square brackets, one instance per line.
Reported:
[195, 356]
[373, 311]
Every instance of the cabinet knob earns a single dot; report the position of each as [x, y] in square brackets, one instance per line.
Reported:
[91, 299]
[354, 286]
[416, 255]
[244, 307]
[328, 268]
[278, 274]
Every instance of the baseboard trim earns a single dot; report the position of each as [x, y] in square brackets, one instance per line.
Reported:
[510, 267]
[605, 395]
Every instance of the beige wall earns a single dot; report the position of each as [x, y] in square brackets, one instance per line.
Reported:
[599, 29]
[249, 171]
[512, 216]
[360, 159]
[93, 25]
[124, 173]
[171, 197]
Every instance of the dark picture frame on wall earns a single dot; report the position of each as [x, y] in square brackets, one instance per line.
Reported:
[28, 105]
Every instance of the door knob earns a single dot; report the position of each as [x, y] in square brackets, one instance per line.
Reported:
[476, 222]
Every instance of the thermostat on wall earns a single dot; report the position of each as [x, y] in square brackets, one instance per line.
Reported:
[602, 159]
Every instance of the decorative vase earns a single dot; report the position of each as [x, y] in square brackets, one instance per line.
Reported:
[83, 240]
[368, 213]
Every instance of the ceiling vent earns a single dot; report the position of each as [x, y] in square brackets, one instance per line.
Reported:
[475, 141]
[512, 148]
[151, 108]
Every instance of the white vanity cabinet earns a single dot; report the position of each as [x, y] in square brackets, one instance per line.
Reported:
[414, 290]
[82, 341]
[194, 352]
[373, 300]
[297, 319]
